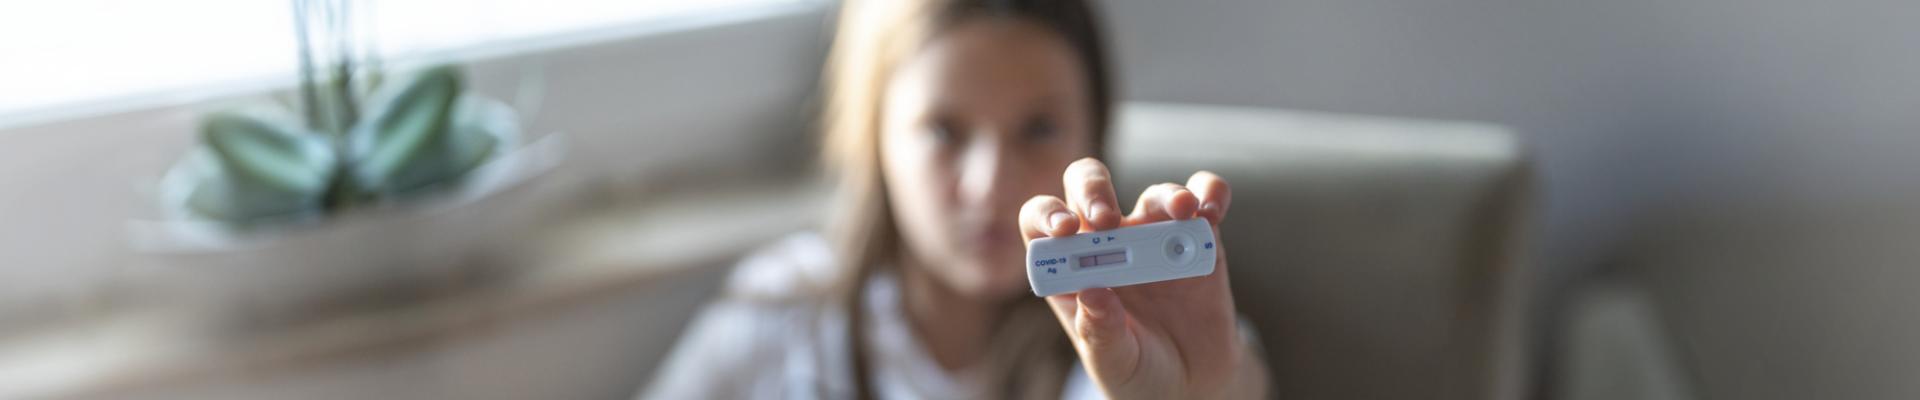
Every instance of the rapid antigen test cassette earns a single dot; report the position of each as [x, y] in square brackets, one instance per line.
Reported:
[1132, 255]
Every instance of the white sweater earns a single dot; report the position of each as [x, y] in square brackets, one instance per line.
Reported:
[770, 337]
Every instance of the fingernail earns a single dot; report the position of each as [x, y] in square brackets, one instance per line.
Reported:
[1098, 209]
[1057, 219]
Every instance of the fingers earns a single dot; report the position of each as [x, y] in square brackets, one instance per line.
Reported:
[1096, 322]
[1089, 189]
[1046, 216]
[1100, 331]
[1065, 307]
[1161, 202]
[1214, 195]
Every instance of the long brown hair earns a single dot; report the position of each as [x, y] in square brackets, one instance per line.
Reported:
[1030, 356]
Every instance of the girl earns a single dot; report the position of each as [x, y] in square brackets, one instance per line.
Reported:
[957, 130]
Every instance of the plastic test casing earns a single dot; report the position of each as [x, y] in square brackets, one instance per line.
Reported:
[1132, 255]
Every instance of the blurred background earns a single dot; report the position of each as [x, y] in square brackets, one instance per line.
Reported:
[1695, 199]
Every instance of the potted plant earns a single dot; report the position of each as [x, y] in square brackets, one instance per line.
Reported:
[349, 190]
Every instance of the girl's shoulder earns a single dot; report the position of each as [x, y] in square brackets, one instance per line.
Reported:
[779, 295]
[798, 268]
[773, 331]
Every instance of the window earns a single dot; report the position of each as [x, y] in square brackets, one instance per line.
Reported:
[69, 53]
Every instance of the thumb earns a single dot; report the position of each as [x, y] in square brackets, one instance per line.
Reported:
[1106, 344]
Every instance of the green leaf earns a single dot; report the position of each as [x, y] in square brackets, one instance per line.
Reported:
[267, 151]
[471, 142]
[405, 122]
[468, 143]
[218, 196]
[218, 191]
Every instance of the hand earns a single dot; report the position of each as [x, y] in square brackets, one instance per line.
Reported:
[1175, 339]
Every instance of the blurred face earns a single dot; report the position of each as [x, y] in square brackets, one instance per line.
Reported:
[986, 115]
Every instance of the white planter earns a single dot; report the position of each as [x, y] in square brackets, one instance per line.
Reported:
[370, 254]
